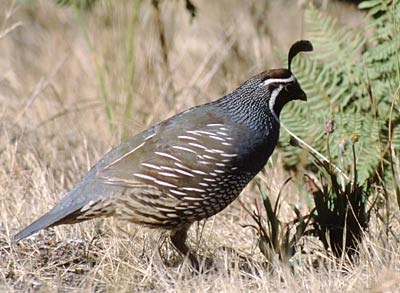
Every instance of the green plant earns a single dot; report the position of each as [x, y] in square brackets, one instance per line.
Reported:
[277, 239]
[130, 70]
[353, 80]
[341, 212]
[99, 69]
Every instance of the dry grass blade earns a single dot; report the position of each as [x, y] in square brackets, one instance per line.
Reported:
[56, 109]
[40, 87]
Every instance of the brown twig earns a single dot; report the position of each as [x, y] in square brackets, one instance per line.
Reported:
[164, 49]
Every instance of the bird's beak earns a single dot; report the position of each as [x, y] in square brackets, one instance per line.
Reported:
[297, 93]
[302, 95]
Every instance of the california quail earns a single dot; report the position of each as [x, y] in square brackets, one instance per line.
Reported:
[188, 167]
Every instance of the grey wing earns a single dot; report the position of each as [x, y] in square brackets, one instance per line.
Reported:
[175, 177]
[89, 192]
[162, 176]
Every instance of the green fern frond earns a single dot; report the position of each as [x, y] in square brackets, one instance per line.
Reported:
[351, 81]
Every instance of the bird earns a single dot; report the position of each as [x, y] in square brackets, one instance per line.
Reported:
[188, 167]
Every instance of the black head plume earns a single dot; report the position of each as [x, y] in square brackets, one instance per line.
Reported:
[299, 46]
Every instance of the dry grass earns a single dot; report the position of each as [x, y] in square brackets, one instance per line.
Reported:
[53, 127]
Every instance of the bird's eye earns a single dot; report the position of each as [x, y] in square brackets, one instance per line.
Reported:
[272, 86]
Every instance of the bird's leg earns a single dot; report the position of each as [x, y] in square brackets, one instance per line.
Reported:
[178, 239]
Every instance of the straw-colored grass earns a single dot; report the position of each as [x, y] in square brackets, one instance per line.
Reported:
[55, 124]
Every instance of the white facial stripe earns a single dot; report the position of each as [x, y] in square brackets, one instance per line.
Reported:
[276, 91]
[277, 80]
[272, 100]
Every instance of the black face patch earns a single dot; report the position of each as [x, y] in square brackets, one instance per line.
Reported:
[273, 86]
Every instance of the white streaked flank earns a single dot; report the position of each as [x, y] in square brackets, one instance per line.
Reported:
[151, 166]
[181, 208]
[199, 172]
[165, 168]
[150, 136]
[209, 157]
[177, 192]
[165, 209]
[197, 145]
[172, 215]
[195, 132]
[203, 132]
[168, 174]
[125, 155]
[166, 155]
[191, 198]
[193, 189]
[159, 182]
[217, 138]
[229, 155]
[163, 183]
[144, 176]
[215, 124]
[187, 137]
[181, 166]
[214, 151]
[178, 147]
[87, 206]
[183, 172]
